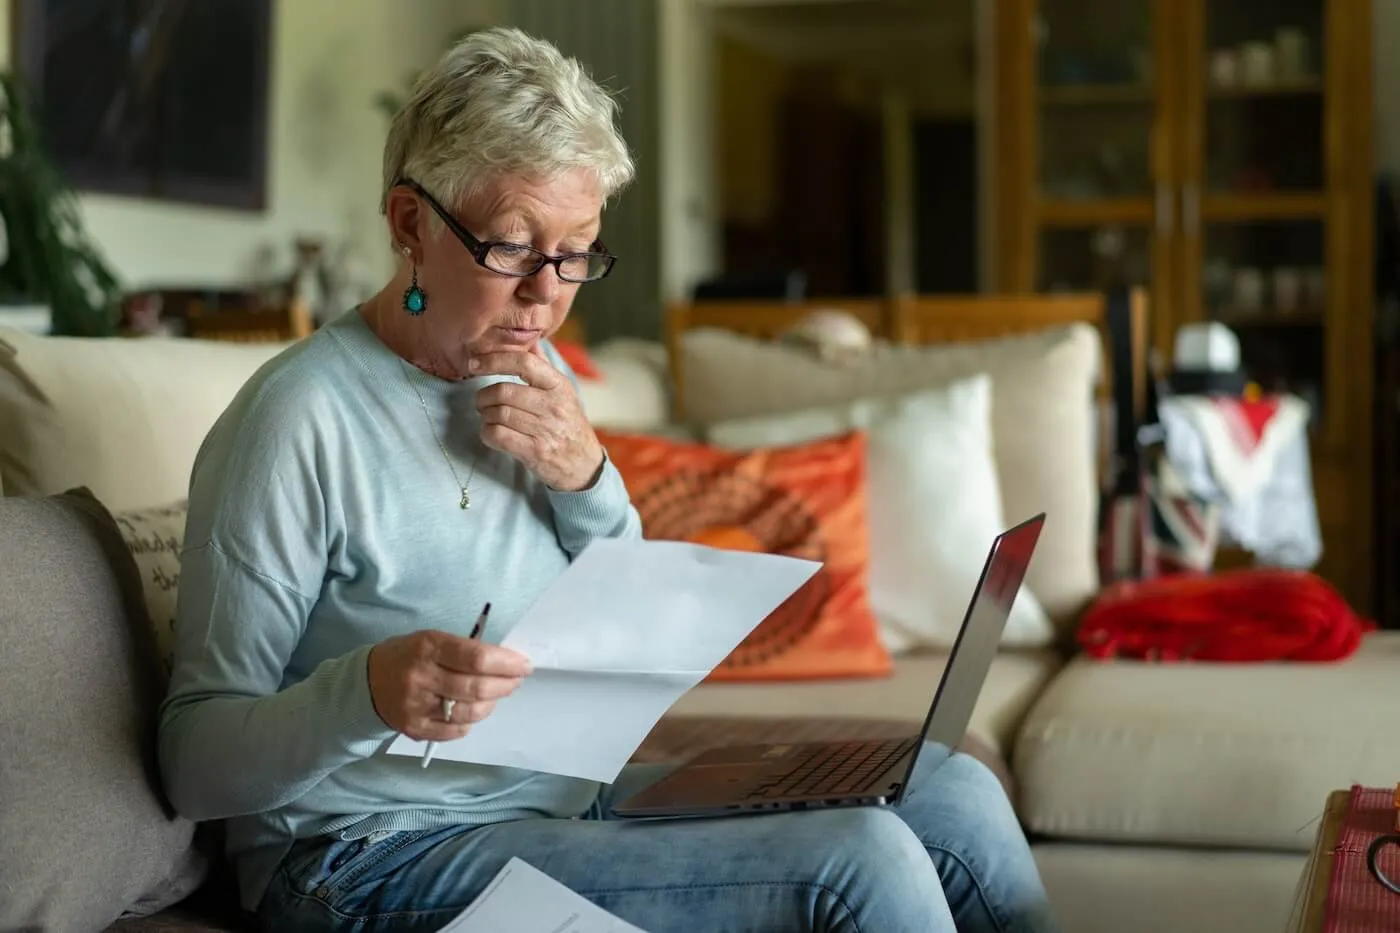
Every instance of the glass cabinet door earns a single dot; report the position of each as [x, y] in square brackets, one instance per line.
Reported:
[1101, 161]
[1258, 248]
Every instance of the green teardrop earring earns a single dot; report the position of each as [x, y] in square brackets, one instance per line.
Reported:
[415, 300]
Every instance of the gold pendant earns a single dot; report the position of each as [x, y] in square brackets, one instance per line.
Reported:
[466, 502]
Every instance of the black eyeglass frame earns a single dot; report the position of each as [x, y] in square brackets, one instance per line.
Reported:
[479, 249]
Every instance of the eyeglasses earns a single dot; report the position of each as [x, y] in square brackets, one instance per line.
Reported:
[518, 260]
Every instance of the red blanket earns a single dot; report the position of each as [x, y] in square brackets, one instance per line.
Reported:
[1240, 615]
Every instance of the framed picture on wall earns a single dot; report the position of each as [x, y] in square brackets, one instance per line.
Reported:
[164, 99]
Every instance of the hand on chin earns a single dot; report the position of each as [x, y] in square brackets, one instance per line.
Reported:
[540, 422]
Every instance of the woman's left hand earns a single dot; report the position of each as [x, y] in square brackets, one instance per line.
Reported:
[540, 423]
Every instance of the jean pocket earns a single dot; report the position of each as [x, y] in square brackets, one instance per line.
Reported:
[345, 868]
[319, 866]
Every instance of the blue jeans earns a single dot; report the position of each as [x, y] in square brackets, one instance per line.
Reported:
[950, 857]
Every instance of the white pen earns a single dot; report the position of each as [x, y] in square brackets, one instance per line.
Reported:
[448, 702]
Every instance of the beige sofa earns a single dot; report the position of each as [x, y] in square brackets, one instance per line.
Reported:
[1158, 798]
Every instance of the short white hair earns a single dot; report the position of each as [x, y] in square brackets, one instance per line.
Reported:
[499, 103]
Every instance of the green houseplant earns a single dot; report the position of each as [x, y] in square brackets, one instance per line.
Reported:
[46, 256]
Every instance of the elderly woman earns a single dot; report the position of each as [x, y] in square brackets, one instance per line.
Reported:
[370, 489]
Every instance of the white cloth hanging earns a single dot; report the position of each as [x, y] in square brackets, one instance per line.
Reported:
[1253, 458]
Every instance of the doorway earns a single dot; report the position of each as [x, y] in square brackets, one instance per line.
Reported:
[947, 229]
[814, 101]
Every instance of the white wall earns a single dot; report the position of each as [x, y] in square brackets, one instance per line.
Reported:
[329, 60]
[690, 209]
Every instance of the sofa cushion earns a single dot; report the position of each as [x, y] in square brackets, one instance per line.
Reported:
[1207, 754]
[1151, 889]
[934, 503]
[630, 392]
[1012, 685]
[803, 501]
[1042, 422]
[123, 417]
[189, 916]
[85, 832]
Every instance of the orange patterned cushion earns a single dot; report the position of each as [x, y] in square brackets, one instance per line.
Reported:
[805, 501]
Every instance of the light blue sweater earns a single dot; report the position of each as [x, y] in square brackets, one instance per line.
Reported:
[324, 519]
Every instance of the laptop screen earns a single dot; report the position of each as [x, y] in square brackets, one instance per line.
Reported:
[976, 647]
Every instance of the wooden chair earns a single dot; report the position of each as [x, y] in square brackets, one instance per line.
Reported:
[922, 319]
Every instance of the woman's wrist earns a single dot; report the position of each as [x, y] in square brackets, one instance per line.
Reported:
[589, 480]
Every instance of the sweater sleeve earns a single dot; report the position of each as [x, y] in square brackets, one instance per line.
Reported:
[235, 737]
[603, 510]
[232, 742]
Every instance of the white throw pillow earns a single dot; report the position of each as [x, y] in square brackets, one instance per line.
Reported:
[156, 536]
[934, 501]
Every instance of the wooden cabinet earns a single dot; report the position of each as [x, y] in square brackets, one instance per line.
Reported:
[1217, 152]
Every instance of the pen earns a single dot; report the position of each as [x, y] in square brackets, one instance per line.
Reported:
[448, 702]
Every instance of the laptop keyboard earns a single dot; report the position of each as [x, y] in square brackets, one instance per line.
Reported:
[843, 768]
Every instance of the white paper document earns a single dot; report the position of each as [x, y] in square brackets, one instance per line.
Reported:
[523, 899]
[619, 637]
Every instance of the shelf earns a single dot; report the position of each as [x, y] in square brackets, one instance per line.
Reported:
[1303, 205]
[1095, 213]
[1298, 88]
[1215, 208]
[1266, 320]
[1081, 95]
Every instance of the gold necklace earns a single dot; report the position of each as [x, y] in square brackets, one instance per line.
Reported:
[466, 501]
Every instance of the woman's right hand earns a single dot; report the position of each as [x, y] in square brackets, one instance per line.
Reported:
[411, 675]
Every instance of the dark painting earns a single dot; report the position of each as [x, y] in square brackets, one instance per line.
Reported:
[151, 98]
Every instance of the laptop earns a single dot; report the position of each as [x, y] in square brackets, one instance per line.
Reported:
[811, 775]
